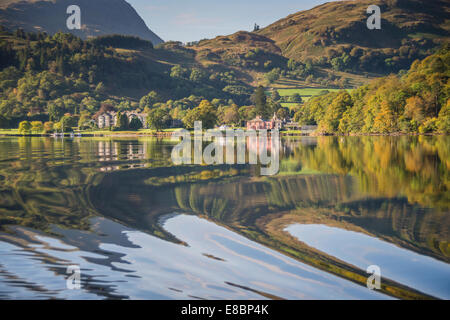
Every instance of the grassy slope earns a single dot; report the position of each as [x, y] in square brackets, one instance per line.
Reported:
[225, 52]
[307, 34]
[332, 28]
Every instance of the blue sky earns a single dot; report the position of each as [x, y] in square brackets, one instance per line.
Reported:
[189, 20]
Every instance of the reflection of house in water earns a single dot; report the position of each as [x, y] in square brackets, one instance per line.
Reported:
[254, 144]
[108, 151]
[136, 151]
[120, 150]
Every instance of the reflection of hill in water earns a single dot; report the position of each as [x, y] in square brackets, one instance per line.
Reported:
[241, 202]
[260, 208]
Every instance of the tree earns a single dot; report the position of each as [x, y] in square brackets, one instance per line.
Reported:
[100, 88]
[273, 75]
[197, 75]
[292, 64]
[90, 104]
[415, 111]
[70, 106]
[3, 122]
[385, 120]
[135, 124]
[55, 109]
[149, 100]
[231, 115]
[48, 126]
[57, 126]
[157, 119]
[296, 98]
[204, 112]
[430, 125]
[334, 112]
[178, 72]
[68, 122]
[37, 126]
[122, 121]
[275, 95]
[443, 123]
[283, 113]
[247, 113]
[85, 120]
[24, 127]
[340, 63]
[260, 100]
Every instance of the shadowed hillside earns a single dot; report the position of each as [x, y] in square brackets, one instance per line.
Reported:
[100, 17]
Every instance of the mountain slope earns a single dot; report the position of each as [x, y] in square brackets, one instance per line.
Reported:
[337, 30]
[244, 50]
[99, 17]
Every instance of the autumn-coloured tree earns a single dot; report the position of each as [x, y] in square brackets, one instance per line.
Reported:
[24, 127]
[231, 115]
[414, 102]
[205, 113]
[37, 126]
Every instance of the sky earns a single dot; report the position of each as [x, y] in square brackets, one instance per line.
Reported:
[191, 20]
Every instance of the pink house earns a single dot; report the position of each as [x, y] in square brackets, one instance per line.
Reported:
[259, 124]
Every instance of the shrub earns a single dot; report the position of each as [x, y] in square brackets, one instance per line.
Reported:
[24, 127]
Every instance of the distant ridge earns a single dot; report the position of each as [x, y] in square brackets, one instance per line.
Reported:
[98, 17]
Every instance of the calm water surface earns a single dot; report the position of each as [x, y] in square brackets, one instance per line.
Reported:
[141, 228]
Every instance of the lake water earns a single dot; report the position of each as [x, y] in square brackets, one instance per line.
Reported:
[140, 227]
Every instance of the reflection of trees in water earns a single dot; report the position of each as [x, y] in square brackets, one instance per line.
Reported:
[46, 181]
[415, 167]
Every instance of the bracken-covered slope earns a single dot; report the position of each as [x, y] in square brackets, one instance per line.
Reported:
[409, 29]
[242, 49]
[98, 17]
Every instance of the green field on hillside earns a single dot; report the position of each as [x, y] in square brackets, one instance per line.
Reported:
[291, 105]
[304, 92]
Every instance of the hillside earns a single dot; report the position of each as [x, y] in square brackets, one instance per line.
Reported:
[262, 62]
[40, 73]
[335, 34]
[331, 46]
[100, 17]
[418, 101]
[239, 43]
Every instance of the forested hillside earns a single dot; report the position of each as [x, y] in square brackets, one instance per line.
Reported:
[416, 101]
[40, 73]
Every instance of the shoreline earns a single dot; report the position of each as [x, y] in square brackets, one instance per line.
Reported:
[169, 134]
